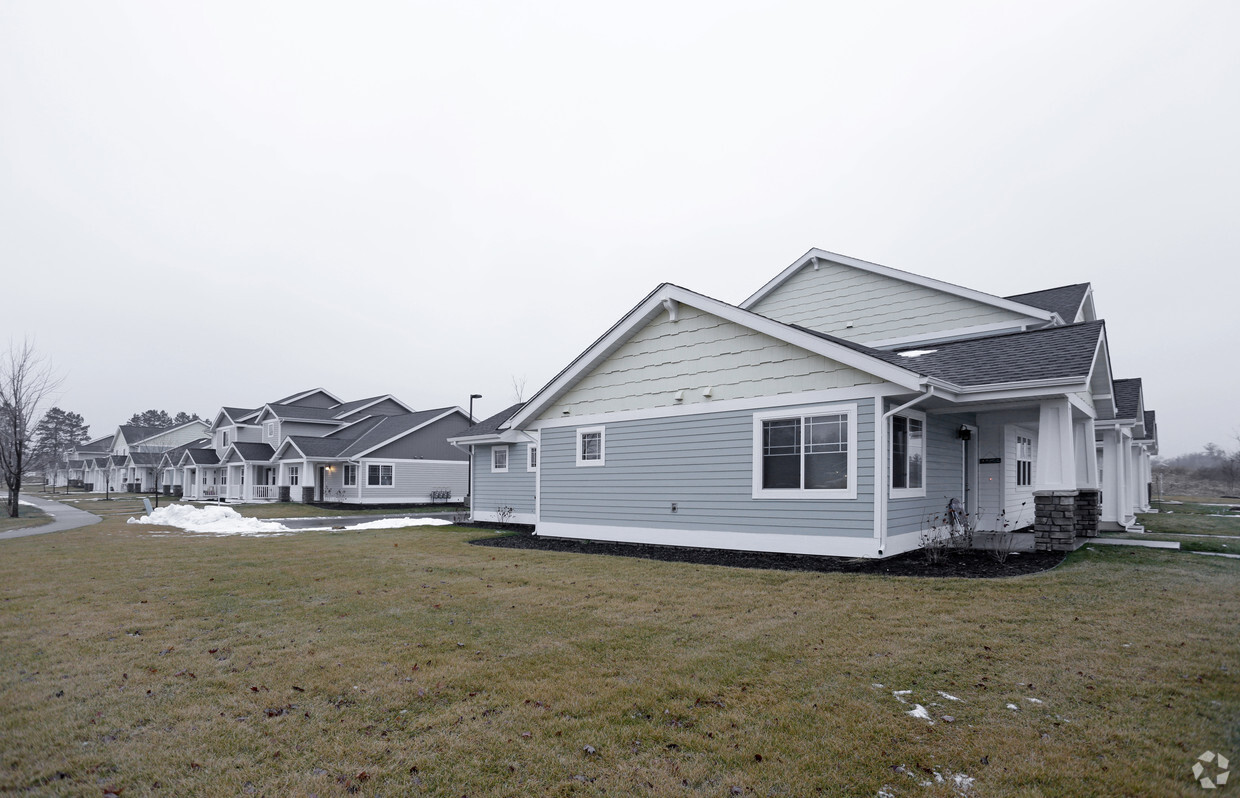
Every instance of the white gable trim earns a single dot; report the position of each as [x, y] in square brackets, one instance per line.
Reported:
[814, 255]
[652, 306]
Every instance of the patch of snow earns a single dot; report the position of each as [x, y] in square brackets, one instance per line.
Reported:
[1033, 700]
[885, 793]
[963, 782]
[221, 520]
[876, 684]
[917, 352]
[918, 711]
[386, 523]
[899, 694]
[217, 520]
[1012, 706]
[947, 696]
[28, 504]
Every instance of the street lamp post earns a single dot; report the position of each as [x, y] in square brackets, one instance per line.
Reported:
[469, 487]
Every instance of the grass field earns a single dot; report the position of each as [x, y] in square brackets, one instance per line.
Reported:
[27, 516]
[409, 662]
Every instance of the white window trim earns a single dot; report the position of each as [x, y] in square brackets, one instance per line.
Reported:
[344, 475]
[531, 457]
[759, 492]
[294, 476]
[907, 493]
[269, 427]
[495, 450]
[602, 446]
[380, 484]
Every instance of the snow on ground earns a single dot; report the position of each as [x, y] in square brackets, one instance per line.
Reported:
[221, 520]
[918, 711]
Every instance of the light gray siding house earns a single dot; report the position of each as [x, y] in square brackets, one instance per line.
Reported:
[837, 411]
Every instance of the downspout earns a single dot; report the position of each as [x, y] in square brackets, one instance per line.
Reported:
[881, 461]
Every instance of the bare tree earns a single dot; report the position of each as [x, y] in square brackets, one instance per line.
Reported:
[26, 384]
[518, 387]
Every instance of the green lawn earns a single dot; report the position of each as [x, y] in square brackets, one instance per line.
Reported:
[408, 662]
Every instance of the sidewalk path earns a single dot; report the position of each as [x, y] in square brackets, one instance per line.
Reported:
[63, 517]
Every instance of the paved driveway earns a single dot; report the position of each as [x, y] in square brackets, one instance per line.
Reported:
[63, 517]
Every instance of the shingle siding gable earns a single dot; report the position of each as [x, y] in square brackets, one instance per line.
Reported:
[863, 306]
[697, 351]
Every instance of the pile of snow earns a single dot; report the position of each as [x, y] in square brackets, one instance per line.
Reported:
[215, 519]
[385, 523]
[221, 520]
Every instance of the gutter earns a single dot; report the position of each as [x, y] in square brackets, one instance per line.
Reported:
[880, 463]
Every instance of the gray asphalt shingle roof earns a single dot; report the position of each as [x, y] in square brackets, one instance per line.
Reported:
[135, 433]
[203, 456]
[303, 412]
[1048, 353]
[490, 426]
[254, 451]
[1065, 300]
[1127, 397]
[1151, 426]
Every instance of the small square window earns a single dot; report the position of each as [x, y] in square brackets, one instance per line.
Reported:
[592, 446]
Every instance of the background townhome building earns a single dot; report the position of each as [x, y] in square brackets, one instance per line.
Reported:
[838, 410]
[314, 447]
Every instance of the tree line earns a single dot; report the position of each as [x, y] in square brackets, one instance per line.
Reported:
[1213, 465]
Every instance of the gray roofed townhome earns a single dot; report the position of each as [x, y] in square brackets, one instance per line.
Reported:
[311, 446]
[833, 412]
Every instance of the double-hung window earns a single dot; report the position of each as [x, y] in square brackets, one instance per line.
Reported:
[499, 459]
[1024, 461]
[591, 446]
[379, 475]
[908, 454]
[350, 475]
[294, 474]
[805, 453]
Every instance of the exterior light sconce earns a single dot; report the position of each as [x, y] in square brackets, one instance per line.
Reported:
[964, 433]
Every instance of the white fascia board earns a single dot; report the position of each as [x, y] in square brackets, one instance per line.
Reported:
[1100, 381]
[897, 274]
[409, 431]
[652, 306]
[1032, 389]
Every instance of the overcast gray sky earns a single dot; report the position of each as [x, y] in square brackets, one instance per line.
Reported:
[224, 203]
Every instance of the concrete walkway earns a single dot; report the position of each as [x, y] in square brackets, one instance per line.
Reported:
[63, 517]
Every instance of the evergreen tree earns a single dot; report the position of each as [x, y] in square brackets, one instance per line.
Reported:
[58, 432]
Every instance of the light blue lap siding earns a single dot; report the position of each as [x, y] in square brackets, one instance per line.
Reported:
[703, 463]
[514, 489]
[944, 476]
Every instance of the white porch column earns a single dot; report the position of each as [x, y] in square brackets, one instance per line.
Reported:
[1056, 463]
[1086, 454]
[1115, 476]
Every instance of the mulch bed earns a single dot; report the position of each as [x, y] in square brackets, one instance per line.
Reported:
[965, 564]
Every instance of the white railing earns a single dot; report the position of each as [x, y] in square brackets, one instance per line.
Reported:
[267, 492]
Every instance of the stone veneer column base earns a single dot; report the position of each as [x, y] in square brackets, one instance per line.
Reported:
[1054, 525]
[1088, 512]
